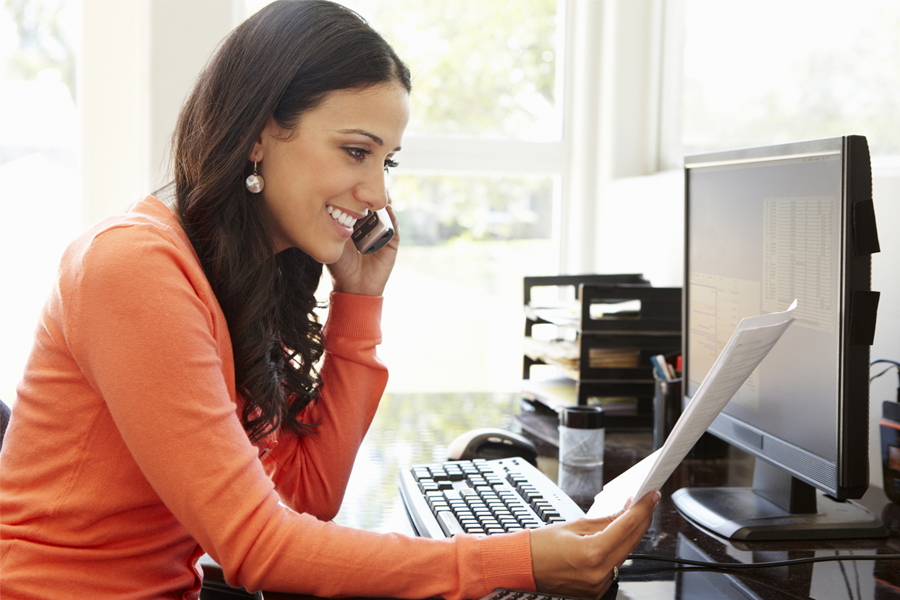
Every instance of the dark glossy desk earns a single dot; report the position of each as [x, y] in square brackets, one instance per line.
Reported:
[416, 428]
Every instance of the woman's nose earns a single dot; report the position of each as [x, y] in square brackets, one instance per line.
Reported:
[372, 192]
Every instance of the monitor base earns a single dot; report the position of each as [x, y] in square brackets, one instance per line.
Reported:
[741, 514]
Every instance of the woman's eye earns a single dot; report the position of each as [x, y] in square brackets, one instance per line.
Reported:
[359, 154]
[390, 164]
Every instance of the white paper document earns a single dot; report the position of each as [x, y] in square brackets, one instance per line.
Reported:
[749, 344]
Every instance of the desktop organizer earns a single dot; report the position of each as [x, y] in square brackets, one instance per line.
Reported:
[619, 322]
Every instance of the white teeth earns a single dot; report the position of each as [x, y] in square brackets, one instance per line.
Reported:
[340, 217]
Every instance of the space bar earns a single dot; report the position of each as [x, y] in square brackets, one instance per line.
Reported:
[449, 523]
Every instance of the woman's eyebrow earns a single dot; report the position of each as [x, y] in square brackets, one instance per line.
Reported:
[372, 136]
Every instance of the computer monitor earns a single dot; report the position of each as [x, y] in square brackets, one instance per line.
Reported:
[765, 226]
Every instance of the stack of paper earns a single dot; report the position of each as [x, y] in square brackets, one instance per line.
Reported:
[566, 354]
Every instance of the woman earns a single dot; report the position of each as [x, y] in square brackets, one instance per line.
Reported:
[171, 403]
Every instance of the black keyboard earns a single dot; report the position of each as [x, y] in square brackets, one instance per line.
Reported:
[482, 497]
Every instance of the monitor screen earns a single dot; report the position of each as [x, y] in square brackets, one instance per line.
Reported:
[765, 226]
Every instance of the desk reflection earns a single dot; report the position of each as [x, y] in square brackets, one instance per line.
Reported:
[411, 429]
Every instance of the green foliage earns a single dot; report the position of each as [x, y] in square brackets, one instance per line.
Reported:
[46, 40]
[438, 208]
[484, 68]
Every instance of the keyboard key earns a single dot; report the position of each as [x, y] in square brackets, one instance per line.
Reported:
[448, 523]
[556, 520]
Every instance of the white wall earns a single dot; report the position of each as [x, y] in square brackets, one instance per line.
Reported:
[140, 59]
[643, 228]
[886, 279]
[111, 83]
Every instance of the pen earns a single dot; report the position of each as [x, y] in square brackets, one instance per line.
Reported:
[661, 367]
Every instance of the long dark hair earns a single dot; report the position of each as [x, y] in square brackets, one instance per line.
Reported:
[283, 61]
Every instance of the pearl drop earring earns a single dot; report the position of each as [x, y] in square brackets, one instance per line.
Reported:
[255, 182]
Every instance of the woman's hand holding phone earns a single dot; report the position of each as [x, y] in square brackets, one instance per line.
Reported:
[366, 271]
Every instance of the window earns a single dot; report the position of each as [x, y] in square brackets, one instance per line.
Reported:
[39, 156]
[772, 71]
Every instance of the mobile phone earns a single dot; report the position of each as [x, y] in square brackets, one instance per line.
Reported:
[373, 231]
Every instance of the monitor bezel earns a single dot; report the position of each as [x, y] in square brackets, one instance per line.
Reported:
[847, 476]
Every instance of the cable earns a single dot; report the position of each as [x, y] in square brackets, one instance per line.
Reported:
[884, 360]
[894, 365]
[761, 565]
[847, 579]
[873, 377]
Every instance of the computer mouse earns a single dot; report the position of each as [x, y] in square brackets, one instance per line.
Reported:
[491, 443]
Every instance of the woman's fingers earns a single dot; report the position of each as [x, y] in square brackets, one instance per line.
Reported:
[579, 557]
[633, 519]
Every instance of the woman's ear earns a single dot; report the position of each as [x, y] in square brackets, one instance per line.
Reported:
[270, 133]
[256, 153]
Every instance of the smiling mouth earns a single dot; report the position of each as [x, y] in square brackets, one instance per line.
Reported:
[341, 217]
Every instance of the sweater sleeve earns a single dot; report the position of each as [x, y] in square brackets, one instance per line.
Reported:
[147, 340]
[311, 473]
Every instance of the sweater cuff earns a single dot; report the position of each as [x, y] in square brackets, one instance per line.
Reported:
[354, 316]
[506, 561]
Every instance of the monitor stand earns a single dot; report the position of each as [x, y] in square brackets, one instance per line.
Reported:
[777, 507]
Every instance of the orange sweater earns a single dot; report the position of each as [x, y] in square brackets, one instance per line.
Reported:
[125, 455]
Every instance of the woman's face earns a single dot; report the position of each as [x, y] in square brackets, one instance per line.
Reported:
[329, 171]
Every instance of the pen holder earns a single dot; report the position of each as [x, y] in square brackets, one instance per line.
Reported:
[667, 401]
[666, 408]
[581, 443]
